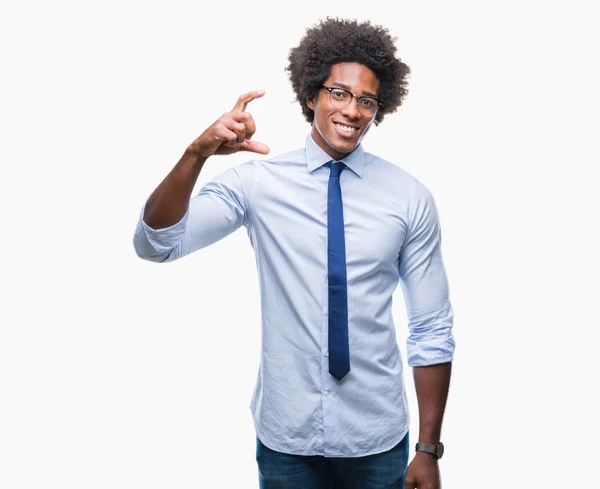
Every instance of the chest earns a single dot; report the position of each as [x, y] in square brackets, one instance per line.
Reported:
[292, 216]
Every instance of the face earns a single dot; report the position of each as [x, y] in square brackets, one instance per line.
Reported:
[338, 131]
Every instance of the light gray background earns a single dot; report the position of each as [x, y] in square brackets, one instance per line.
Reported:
[113, 371]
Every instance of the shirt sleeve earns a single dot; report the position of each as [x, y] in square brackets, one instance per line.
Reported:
[217, 210]
[425, 285]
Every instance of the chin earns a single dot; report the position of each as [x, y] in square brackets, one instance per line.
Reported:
[342, 145]
[344, 148]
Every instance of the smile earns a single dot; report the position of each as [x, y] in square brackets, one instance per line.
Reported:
[346, 129]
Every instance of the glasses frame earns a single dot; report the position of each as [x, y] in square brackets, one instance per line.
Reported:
[331, 89]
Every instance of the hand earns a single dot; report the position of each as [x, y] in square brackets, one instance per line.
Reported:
[231, 132]
[423, 472]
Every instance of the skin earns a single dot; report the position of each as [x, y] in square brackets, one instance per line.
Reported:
[360, 80]
[232, 132]
[431, 384]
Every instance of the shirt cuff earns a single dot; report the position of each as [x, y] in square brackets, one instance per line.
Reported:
[430, 351]
[165, 239]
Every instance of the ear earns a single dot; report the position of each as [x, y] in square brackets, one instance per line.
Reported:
[311, 103]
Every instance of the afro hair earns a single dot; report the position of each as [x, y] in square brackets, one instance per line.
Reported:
[335, 40]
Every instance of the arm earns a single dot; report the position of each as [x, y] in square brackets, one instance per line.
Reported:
[431, 385]
[170, 225]
[215, 212]
[430, 345]
[169, 202]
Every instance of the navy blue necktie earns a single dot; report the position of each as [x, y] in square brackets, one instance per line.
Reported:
[339, 351]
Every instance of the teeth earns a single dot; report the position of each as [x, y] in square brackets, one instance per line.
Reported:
[345, 128]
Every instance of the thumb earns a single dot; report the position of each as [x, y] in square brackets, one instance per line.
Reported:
[410, 481]
[254, 146]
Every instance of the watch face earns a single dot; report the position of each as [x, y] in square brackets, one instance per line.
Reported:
[439, 449]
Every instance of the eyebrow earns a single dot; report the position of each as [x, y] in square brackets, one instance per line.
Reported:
[346, 87]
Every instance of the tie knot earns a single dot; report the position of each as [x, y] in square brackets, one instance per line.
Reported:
[336, 168]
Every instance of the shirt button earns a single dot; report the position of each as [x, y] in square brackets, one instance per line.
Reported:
[327, 353]
[326, 393]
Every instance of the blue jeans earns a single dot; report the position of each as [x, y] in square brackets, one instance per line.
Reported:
[385, 470]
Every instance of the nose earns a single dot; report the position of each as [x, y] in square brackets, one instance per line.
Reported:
[351, 110]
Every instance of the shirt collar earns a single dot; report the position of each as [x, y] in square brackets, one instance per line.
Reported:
[316, 157]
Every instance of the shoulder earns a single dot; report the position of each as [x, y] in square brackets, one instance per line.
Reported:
[293, 156]
[249, 172]
[393, 173]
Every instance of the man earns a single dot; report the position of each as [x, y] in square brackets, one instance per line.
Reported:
[334, 230]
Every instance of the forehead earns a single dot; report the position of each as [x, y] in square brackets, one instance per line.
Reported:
[357, 76]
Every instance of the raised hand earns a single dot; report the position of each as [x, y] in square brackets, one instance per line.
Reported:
[232, 132]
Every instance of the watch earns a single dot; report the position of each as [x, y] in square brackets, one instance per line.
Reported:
[437, 449]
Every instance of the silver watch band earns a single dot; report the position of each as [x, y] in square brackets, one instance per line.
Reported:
[437, 449]
[425, 447]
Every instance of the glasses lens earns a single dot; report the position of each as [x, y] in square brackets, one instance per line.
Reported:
[339, 98]
[367, 105]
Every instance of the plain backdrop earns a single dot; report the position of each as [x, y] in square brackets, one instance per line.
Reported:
[114, 372]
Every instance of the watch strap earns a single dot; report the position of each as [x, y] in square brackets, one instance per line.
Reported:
[436, 449]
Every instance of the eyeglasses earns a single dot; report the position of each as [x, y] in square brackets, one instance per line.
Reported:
[341, 99]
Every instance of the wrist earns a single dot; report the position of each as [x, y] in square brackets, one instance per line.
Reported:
[192, 154]
[435, 450]
[426, 455]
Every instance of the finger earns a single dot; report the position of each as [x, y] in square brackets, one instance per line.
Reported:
[248, 120]
[243, 101]
[239, 128]
[254, 147]
[227, 137]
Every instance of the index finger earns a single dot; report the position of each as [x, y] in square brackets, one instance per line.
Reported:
[243, 101]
